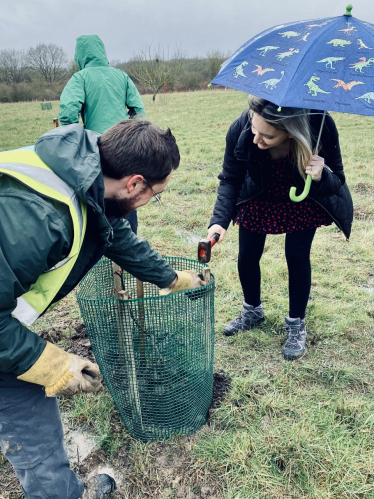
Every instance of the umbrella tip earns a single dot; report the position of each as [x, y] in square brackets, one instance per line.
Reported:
[348, 10]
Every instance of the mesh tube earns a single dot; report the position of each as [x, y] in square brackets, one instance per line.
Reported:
[155, 353]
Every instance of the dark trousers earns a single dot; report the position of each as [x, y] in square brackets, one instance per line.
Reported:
[297, 248]
[132, 218]
[31, 438]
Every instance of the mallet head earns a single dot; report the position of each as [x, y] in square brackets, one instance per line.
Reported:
[204, 248]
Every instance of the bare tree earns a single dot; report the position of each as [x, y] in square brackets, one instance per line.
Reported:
[114, 63]
[154, 69]
[72, 68]
[215, 58]
[48, 61]
[13, 66]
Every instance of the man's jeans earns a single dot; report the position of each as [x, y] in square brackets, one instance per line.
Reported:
[31, 438]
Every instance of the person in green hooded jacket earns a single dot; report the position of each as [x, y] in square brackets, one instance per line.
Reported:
[101, 94]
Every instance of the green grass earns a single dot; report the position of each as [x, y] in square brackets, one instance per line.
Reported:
[286, 430]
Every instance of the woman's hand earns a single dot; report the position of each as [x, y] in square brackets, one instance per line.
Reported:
[216, 229]
[315, 167]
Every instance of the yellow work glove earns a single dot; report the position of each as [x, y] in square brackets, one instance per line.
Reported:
[187, 279]
[63, 373]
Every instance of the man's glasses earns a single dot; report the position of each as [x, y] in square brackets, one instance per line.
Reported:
[156, 195]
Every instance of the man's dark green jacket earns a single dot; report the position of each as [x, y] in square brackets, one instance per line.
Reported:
[36, 233]
[101, 94]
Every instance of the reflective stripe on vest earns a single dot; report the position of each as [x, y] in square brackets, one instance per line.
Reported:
[27, 168]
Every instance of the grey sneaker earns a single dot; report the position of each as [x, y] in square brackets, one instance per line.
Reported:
[295, 346]
[99, 487]
[248, 318]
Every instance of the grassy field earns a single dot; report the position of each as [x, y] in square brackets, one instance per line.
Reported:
[285, 430]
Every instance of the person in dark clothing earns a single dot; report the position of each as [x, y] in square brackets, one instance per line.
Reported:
[61, 210]
[269, 149]
[101, 94]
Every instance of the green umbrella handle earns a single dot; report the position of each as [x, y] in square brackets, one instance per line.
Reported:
[303, 195]
[308, 181]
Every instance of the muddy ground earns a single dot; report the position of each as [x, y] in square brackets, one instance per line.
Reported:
[167, 472]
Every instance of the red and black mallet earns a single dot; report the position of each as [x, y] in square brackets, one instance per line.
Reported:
[204, 248]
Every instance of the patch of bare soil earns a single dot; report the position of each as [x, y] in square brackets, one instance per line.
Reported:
[221, 386]
[362, 213]
[97, 463]
[363, 187]
[76, 338]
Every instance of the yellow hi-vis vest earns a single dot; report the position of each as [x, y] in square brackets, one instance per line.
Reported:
[27, 168]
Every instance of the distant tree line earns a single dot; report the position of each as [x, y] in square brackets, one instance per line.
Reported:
[41, 72]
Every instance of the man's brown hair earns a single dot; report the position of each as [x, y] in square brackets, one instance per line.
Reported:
[138, 147]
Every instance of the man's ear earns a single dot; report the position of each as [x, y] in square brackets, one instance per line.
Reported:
[134, 182]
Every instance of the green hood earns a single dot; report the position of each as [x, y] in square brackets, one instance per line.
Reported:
[90, 52]
[101, 94]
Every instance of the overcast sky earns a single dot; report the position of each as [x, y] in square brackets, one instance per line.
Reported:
[125, 26]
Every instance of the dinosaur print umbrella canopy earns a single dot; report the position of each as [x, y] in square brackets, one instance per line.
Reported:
[323, 64]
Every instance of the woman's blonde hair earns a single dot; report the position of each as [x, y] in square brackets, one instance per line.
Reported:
[291, 120]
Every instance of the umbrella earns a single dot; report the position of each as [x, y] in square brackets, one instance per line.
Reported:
[326, 64]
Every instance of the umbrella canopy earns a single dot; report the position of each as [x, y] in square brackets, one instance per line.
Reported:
[325, 64]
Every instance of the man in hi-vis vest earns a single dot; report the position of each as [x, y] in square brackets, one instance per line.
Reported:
[61, 209]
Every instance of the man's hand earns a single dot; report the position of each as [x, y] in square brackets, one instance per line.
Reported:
[87, 378]
[62, 373]
[187, 279]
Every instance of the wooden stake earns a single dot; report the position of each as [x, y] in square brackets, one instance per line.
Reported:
[206, 274]
[130, 366]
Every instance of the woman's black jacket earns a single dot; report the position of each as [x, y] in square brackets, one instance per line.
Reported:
[242, 175]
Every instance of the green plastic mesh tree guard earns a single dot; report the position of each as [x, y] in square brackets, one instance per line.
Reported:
[155, 353]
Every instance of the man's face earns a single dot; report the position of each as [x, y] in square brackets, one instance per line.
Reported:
[132, 193]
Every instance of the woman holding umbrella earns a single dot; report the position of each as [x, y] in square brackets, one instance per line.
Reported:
[269, 149]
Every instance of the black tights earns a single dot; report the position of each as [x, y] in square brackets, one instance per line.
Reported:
[297, 248]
